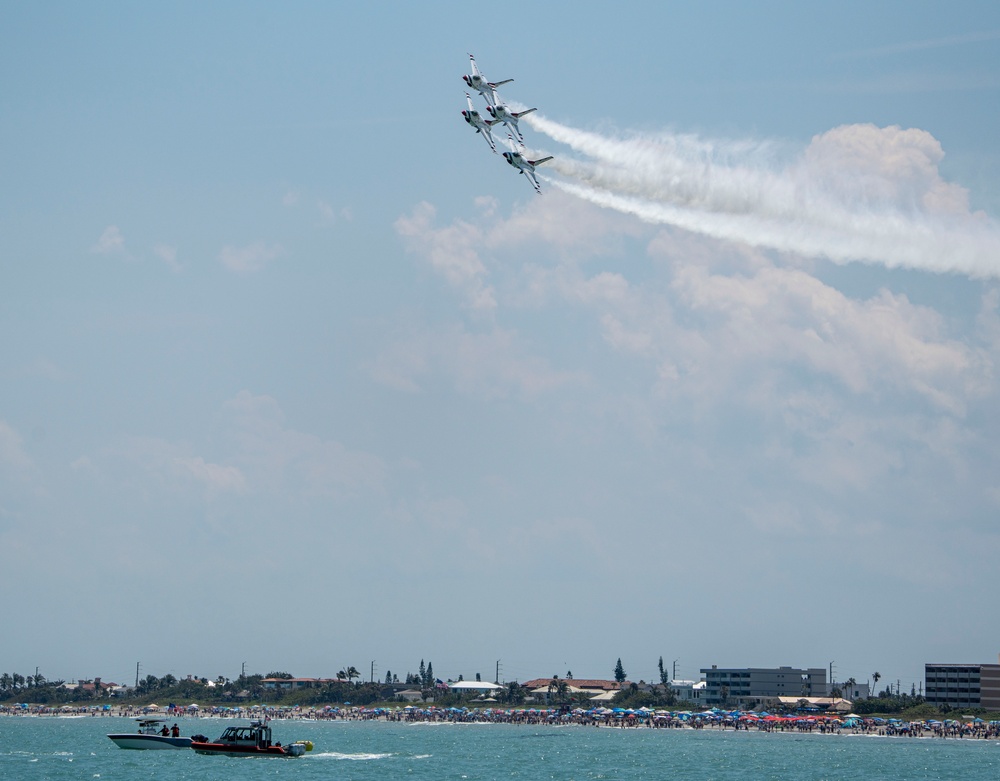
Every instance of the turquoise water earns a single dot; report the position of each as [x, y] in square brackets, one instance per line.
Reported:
[58, 748]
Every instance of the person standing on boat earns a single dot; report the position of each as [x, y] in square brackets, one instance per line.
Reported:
[165, 732]
[175, 731]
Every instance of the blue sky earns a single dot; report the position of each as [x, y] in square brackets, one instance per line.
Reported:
[283, 337]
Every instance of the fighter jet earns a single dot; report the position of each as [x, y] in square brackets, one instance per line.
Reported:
[478, 82]
[523, 165]
[481, 125]
[501, 113]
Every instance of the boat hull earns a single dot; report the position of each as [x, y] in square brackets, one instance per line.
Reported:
[146, 742]
[231, 750]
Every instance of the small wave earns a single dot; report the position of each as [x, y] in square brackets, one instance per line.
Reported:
[350, 757]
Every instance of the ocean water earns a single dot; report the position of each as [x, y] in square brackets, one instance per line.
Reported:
[77, 748]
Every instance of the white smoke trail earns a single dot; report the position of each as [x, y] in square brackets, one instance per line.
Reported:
[857, 194]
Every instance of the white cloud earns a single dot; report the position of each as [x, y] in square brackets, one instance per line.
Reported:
[111, 242]
[927, 43]
[275, 457]
[168, 255]
[490, 365]
[777, 317]
[215, 476]
[12, 453]
[326, 212]
[43, 367]
[252, 257]
[452, 252]
[161, 461]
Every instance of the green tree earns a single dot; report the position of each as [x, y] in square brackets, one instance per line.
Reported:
[388, 677]
[6, 682]
[514, 693]
[352, 673]
[876, 677]
[284, 676]
[619, 671]
[664, 678]
[558, 690]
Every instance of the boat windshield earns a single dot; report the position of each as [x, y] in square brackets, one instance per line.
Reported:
[240, 735]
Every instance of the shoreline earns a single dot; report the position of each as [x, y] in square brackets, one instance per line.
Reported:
[605, 719]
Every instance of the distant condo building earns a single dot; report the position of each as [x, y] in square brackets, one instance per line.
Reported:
[745, 685]
[963, 685]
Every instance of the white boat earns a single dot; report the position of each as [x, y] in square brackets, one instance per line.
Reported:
[149, 736]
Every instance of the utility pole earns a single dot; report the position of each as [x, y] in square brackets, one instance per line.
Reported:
[497, 680]
[673, 675]
[243, 670]
[829, 688]
[373, 672]
[137, 675]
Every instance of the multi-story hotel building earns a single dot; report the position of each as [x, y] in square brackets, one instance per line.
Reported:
[745, 684]
[963, 685]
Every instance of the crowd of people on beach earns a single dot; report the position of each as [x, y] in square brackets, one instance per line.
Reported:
[618, 718]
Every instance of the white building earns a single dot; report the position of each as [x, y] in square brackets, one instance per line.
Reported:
[480, 687]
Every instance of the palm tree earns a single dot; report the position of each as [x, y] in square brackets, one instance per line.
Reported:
[6, 682]
[352, 673]
[876, 676]
[514, 693]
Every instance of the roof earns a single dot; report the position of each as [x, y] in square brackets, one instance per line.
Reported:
[831, 703]
[569, 689]
[475, 685]
[580, 683]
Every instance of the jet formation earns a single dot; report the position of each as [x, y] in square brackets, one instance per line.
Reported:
[502, 115]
